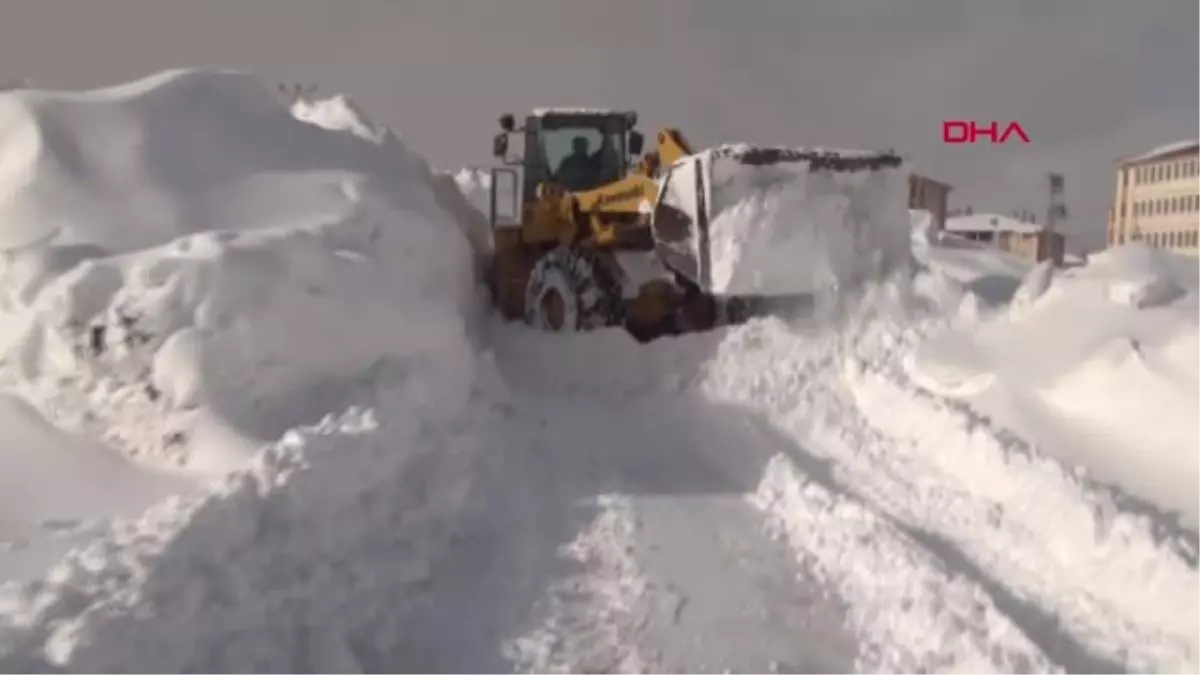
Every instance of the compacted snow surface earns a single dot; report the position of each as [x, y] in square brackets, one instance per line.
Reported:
[256, 417]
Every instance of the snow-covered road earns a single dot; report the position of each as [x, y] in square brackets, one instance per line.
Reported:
[611, 536]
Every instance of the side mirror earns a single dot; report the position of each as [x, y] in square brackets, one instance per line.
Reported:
[507, 123]
[500, 145]
[636, 141]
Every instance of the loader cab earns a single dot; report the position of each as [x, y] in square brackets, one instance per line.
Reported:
[549, 138]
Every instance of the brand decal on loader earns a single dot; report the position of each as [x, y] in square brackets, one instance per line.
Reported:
[631, 193]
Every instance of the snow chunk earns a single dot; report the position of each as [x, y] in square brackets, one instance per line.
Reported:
[818, 221]
[1033, 286]
[1146, 291]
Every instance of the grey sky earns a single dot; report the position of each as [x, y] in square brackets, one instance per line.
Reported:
[1087, 79]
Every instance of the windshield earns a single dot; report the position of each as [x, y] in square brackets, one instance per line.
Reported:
[582, 157]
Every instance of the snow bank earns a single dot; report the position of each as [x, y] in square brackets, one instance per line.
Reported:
[199, 269]
[475, 185]
[1033, 286]
[1098, 586]
[1098, 364]
[237, 261]
[57, 490]
[1142, 277]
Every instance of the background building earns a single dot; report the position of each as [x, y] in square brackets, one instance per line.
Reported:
[929, 195]
[1026, 239]
[1157, 198]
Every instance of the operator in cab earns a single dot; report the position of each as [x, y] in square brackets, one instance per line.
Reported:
[579, 170]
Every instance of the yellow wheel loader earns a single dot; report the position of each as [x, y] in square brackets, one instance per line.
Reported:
[588, 232]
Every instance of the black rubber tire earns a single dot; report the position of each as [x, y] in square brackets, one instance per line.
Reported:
[590, 292]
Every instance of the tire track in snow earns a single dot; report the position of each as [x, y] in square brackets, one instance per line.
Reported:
[911, 614]
[588, 619]
[908, 612]
[1068, 579]
[1096, 571]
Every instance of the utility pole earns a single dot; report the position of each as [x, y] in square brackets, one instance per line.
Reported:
[1056, 208]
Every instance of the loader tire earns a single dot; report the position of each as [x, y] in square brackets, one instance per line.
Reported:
[572, 290]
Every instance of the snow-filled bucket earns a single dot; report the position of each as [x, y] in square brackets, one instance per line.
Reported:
[742, 221]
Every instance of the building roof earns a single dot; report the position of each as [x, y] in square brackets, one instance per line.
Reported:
[990, 222]
[1163, 151]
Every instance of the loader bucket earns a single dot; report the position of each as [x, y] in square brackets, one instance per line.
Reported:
[763, 223]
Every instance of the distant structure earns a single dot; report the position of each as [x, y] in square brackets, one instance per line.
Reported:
[930, 195]
[1157, 198]
[1026, 239]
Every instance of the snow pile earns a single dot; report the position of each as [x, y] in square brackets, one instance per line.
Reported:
[1098, 363]
[237, 262]
[814, 222]
[1102, 585]
[199, 270]
[970, 271]
[1033, 286]
[475, 185]
[308, 561]
[1142, 277]
[57, 490]
[831, 228]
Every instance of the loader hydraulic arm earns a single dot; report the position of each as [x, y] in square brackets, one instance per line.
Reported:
[639, 188]
[672, 147]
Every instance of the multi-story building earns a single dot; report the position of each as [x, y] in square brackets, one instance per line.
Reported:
[1157, 199]
[929, 195]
